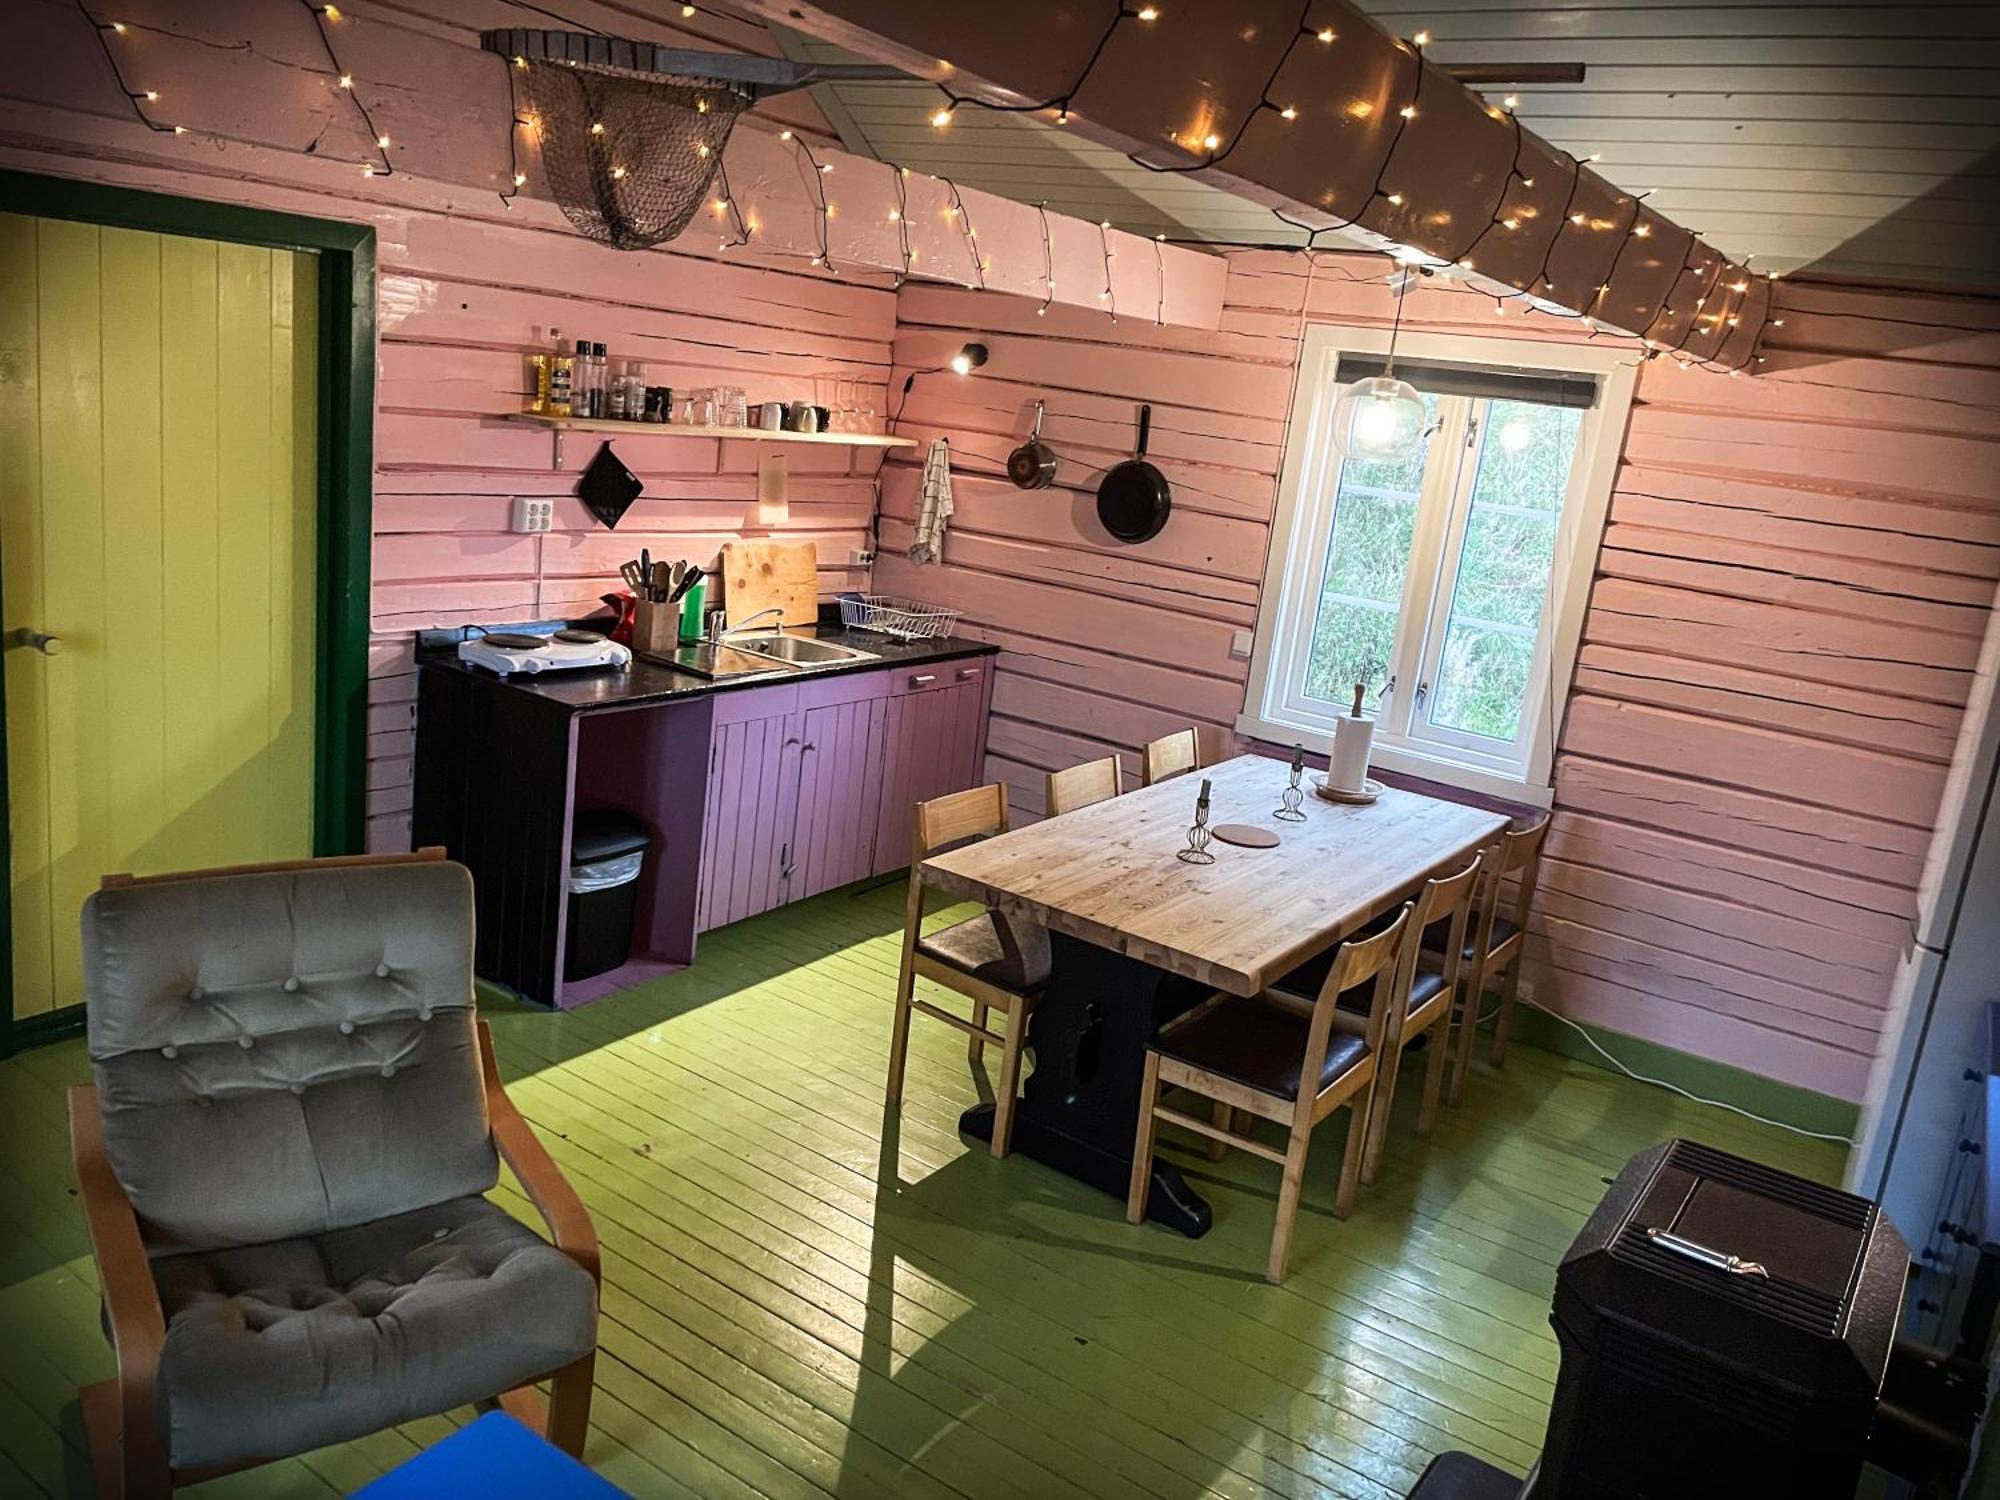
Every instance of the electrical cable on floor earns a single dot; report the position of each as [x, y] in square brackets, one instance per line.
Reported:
[1674, 1088]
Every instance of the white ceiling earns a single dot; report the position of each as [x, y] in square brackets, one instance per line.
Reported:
[1859, 138]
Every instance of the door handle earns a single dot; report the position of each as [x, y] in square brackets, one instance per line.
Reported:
[48, 645]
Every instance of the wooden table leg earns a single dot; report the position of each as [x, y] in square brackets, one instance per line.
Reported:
[1080, 1108]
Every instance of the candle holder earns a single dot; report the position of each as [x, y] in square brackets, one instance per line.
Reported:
[1198, 836]
[1293, 797]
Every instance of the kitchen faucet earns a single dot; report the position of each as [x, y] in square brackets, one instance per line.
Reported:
[717, 633]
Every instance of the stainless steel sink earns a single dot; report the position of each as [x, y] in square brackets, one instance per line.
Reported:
[797, 650]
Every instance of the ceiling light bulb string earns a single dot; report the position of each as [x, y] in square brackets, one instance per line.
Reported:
[824, 257]
[957, 211]
[1061, 102]
[901, 214]
[1217, 151]
[1719, 319]
[137, 98]
[1048, 262]
[1104, 243]
[516, 178]
[321, 14]
[738, 225]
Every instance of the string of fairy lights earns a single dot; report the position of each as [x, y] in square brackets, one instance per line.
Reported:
[1717, 283]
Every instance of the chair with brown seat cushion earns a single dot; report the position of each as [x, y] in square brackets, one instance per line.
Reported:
[1497, 942]
[1172, 755]
[1262, 1057]
[1426, 997]
[996, 962]
[283, 1164]
[1081, 786]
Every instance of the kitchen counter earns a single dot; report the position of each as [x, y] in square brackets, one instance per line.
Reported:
[648, 682]
[754, 790]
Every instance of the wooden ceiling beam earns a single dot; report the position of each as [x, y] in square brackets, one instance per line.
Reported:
[1315, 112]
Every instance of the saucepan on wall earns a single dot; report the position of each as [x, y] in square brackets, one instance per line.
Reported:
[1032, 466]
[1133, 498]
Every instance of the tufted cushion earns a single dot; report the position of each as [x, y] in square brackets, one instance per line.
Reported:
[283, 1054]
[273, 1349]
[990, 946]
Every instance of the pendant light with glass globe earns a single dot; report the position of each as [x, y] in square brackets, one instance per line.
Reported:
[1379, 416]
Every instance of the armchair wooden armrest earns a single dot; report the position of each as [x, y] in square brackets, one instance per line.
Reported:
[557, 1202]
[131, 1305]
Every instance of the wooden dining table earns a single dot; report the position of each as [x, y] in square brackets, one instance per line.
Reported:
[1138, 936]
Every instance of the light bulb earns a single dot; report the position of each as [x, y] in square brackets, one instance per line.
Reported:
[1326, 33]
[1422, 39]
[1288, 113]
[1396, 200]
[687, 12]
[1641, 231]
[894, 215]
[382, 141]
[1210, 142]
[617, 173]
[1149, 13]
[331, 12]
[784, 135]
[942, 118]
[347, 80]
[520, 179]
[152, 96]
[1576, 218]
[1374, 426]
[1408, 111]
[1512, 101]
[1511, 223]
[119, 27]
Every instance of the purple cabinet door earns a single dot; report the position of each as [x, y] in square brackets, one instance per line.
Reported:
[752, 805]
[840, 795]
[934, 742]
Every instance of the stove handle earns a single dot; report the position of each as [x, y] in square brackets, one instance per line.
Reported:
[1716, 1260]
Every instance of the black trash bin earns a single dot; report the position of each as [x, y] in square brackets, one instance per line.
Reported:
[607, 849]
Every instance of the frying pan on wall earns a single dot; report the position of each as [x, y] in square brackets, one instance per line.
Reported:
[1032, 466]
[1133, 498]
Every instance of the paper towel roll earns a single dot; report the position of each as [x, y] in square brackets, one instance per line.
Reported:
[1347, 770]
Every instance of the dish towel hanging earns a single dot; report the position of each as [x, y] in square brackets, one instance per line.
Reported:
[935, 512]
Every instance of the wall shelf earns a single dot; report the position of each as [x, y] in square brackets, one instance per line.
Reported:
[559, 426]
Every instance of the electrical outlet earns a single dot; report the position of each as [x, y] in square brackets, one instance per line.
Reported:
[1239, 644]
[860, 557]
[533, 515]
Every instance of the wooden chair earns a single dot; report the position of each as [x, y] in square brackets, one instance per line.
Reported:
[996, 963]
[1172, 755]
[1426, 995]
[1080, 786]
[180, 1221]
[1264, 1058]
[1497, 942]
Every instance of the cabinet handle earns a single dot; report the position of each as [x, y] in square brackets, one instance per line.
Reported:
[964, 673]
[918, 679]
[785, 865]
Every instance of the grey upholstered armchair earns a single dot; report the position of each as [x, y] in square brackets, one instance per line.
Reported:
[284, 1162]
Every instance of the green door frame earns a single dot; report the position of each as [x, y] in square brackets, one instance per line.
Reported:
[346, 464]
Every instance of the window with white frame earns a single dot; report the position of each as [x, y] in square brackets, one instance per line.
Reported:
[1449, 584]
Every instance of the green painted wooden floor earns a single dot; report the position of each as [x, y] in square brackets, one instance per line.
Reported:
[786, 1315]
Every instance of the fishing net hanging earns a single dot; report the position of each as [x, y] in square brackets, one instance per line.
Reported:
[627, 156]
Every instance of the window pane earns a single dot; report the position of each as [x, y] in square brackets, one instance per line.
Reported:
[1374, 517]
[1503, 568]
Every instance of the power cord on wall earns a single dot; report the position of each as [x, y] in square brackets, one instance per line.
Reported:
[1674, 1088]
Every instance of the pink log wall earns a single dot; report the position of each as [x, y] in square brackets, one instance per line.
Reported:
[1790, 596]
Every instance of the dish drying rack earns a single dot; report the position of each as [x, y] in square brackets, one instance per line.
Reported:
[905, 619]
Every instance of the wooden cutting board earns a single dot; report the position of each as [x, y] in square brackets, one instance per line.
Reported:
[759, 575]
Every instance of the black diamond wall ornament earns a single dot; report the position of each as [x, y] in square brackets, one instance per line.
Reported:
[608, 487]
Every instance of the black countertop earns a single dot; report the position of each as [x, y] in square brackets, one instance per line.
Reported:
[647, 682]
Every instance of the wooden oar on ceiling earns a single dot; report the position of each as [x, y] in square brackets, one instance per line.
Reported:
[1313, 110]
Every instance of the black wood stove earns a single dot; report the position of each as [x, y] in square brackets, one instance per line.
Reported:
[1727, 1330]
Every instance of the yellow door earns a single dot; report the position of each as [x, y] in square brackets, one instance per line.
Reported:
[157, 459]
